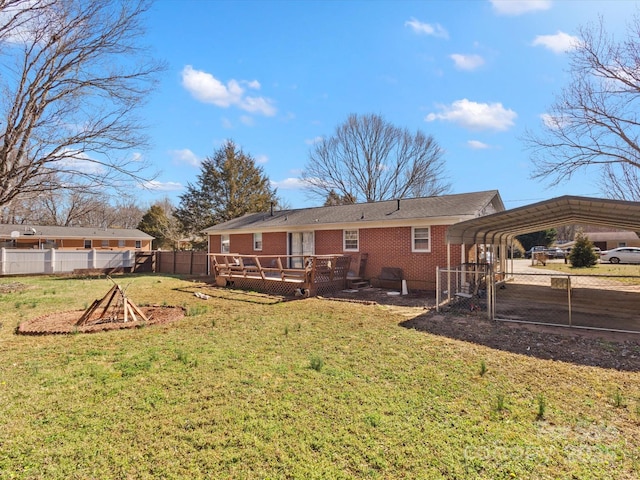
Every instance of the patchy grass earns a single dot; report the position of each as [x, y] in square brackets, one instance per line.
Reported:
[251, 387]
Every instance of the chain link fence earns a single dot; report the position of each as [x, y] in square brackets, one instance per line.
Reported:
[602, 302]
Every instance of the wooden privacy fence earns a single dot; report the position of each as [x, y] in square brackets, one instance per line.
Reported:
[282, 274]
[179, 262]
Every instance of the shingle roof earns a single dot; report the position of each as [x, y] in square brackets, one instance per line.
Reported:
[462, 206]
[56, 232]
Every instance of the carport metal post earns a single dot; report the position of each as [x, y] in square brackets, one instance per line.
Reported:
[437, 288]
[449, 272]
[569, 297]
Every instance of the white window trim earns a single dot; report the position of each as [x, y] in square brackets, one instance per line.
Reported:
[344, 240]
[255, 236]
[138, 244]
[224, 237]
[413, 240]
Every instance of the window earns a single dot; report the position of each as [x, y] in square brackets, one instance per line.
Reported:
[138, 243]
[224, 243]
[622, 244]
[257, 241]
[105, 243]
[87, 244]
[350, 240]
[421, 239]
[121, 243]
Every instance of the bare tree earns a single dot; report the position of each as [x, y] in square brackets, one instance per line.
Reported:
[67, 208]
[74, 208]
[73, 76]
[594, 120]
[369, 159]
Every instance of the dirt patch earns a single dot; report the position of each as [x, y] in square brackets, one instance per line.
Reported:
[415, 303]
[13, 287]
[65, 322]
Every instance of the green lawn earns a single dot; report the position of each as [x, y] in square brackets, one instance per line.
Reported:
[628, 273]
[248, 387]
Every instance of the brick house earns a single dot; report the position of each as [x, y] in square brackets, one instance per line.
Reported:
[408, 235]
[73, 238]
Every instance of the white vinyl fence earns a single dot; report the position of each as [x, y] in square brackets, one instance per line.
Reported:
[27, 261]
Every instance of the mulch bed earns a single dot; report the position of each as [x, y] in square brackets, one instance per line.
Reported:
[65, 322]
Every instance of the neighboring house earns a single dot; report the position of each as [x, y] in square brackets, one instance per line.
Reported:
[609, 240]
[406, 234]
[73, 238]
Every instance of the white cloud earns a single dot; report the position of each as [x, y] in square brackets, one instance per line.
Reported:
[185, 156]
[73, 161]
[254, 84]
[477, 145]
[162, 186]
[552, 122]
[261, 159]
[467, 62]
[312, 141]
[475, 116]
[208, 89]
[247, 120]
[258, 105]
[289, 184]
[559, 43]
[435, 30]
[518, 7]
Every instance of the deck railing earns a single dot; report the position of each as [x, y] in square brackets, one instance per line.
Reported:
[307, 275]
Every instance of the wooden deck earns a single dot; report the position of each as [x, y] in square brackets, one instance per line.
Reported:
[282, 274]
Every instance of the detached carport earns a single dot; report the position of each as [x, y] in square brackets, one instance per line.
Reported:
[498, 230]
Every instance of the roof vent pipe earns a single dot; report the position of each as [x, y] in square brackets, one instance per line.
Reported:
[272, 209]
[398, 204]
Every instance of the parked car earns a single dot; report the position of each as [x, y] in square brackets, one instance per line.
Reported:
[554, 252]
[536, 249]
[621, 255]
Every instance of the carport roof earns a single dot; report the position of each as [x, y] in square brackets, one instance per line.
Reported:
[551, 213]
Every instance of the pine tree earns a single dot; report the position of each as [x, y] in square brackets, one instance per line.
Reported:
[582, 253]
[229, 185]
[159, 225]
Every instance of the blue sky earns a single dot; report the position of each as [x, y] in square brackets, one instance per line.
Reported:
[274, 76]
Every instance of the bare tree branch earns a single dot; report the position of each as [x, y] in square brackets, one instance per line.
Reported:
[75, 76]
[369, 159]
[593, 123]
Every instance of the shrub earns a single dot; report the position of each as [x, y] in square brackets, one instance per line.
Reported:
[582, 254]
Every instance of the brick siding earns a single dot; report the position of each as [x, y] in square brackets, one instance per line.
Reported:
[386, 247]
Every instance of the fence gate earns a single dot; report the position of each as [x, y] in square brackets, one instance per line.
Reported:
[465, 289]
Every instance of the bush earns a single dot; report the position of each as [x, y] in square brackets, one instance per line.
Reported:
[582, 254]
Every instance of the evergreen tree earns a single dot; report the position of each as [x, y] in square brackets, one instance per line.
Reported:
[334, 198]
[158, 224]
[582, 253]
[543, 237]
[229, 185]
